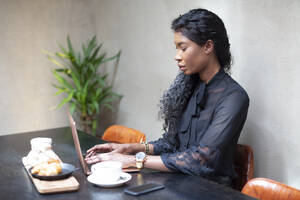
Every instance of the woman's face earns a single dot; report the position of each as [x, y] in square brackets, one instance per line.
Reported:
[191, 57]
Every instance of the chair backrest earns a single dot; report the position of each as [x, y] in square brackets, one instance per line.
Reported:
[123, 134]
[244, 165]
[267, 189]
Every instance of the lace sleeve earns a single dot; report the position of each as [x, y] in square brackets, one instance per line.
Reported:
[196, 160]
[164, 145]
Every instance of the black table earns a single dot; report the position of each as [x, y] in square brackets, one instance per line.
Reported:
[16, 184]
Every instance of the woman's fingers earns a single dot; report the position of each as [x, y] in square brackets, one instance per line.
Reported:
[101, 148]
[126, 160]
[96, 148]
[91, 153]
[93, 159]
[92, 149]
[98, 158]
[106, 148]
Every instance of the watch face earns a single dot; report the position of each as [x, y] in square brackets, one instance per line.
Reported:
[140, 156]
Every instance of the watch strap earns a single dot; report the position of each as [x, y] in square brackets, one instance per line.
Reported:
[147, 150]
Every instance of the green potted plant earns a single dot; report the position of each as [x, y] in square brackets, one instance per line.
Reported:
[86, 89]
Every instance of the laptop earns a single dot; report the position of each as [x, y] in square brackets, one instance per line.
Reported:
[83, 164]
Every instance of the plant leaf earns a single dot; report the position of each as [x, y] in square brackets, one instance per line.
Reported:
[75, 79]
[59, 92]
[74, 59]
[58, 86]
[72, 107]
[62, 55]
[61, 80]
[96, 105]
[66, 71]
[55, 62]
[84, 49]
[48, 53]
[91, 46]
[111, 58]
[95, 53]
[70, 46]
[63, 49]
[99, 60]
[65, 100]
[79, 59]
[108, 106]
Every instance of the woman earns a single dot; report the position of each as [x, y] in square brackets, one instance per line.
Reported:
[204, 110]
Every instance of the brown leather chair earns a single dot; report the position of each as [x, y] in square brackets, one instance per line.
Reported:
[267, 189]
[123, 134]
[244, 165]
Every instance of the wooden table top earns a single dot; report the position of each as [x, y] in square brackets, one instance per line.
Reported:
[15, 183]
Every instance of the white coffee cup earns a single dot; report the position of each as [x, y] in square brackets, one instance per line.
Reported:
[108, 171]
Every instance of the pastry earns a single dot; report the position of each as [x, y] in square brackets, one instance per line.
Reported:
[49, 168]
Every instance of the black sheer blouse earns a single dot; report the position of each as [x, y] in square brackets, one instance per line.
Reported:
[208, 131]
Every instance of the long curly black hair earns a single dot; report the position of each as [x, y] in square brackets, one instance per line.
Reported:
[198, 25]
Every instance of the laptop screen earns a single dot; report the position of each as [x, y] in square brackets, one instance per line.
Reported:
[83, 164]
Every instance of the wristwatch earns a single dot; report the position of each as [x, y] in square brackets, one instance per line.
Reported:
[140, 158]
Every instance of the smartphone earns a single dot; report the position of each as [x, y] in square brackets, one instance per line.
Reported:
[142, 189]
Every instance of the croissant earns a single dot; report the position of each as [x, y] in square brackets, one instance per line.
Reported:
[48, 168]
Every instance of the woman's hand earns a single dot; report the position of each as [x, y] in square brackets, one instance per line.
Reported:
[116, 148]
[126, 160]
[108, 147]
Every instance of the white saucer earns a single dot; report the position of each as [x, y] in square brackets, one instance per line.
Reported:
[124, 178]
